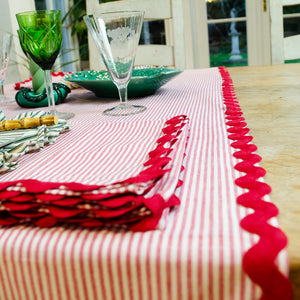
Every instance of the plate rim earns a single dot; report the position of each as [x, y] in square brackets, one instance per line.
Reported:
[69, 77]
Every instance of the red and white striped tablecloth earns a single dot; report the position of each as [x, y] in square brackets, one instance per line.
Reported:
[203, 252]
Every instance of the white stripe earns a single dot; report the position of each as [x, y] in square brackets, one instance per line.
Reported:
[5, 265]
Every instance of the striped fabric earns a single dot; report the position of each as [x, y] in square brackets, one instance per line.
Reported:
[90, 190]
[197, 255]
[15, 143]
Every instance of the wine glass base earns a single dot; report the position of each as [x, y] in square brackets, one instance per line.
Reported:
[62, 115]
[7, 100]
[65, 115]
[124, 109]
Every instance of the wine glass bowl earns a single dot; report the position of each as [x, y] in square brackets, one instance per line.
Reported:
[42, 45]
[5, 44]
[116, 35]
[40, 35]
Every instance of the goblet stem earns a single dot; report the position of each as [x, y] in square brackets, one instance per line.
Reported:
[49, 91]
[1, 90]
[4, 99]
[124, 108]
[123, 93]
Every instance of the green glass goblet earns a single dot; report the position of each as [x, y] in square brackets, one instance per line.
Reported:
[40, 37]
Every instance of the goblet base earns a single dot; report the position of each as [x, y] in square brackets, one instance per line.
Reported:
[124, 109]
[62, 115]
[6, 100]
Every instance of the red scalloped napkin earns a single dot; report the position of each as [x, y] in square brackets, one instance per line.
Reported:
[117, 182]
[259, 262]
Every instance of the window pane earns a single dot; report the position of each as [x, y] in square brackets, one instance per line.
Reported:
[291, 26]
[228, 44]
[153, 32]
[221, 9]
[291, 9]
[40, 4]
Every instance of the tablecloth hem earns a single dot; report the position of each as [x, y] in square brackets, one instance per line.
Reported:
[262, 256]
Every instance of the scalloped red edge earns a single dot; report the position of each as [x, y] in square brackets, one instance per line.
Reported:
[258, 261]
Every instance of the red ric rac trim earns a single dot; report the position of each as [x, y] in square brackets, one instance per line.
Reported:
[258, 261]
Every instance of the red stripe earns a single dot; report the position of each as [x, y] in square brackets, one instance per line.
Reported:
[3, 275]
[45, 249]
[29, 251]
[8, 250]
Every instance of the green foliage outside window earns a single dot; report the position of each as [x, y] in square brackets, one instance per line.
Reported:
[76, 14]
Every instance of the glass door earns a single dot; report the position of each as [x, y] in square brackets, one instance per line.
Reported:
[230, 32]
[291, 24]
[227, 33]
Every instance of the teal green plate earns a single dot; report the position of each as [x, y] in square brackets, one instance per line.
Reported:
[143, 82]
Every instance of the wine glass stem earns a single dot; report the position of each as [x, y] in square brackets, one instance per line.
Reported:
[49, 91]
[123, 93]
[1, 90]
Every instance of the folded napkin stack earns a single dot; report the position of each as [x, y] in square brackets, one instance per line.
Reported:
[140, 201]
[15, 143]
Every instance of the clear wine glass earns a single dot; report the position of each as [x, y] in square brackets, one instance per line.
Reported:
[40, 36]
[5, 45]
[117, 35]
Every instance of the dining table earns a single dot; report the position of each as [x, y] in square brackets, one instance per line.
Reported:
[195, 198]
[269, 98]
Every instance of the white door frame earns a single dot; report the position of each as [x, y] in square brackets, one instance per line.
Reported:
[14, 7]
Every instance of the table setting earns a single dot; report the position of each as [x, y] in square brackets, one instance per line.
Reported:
[154, 191]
